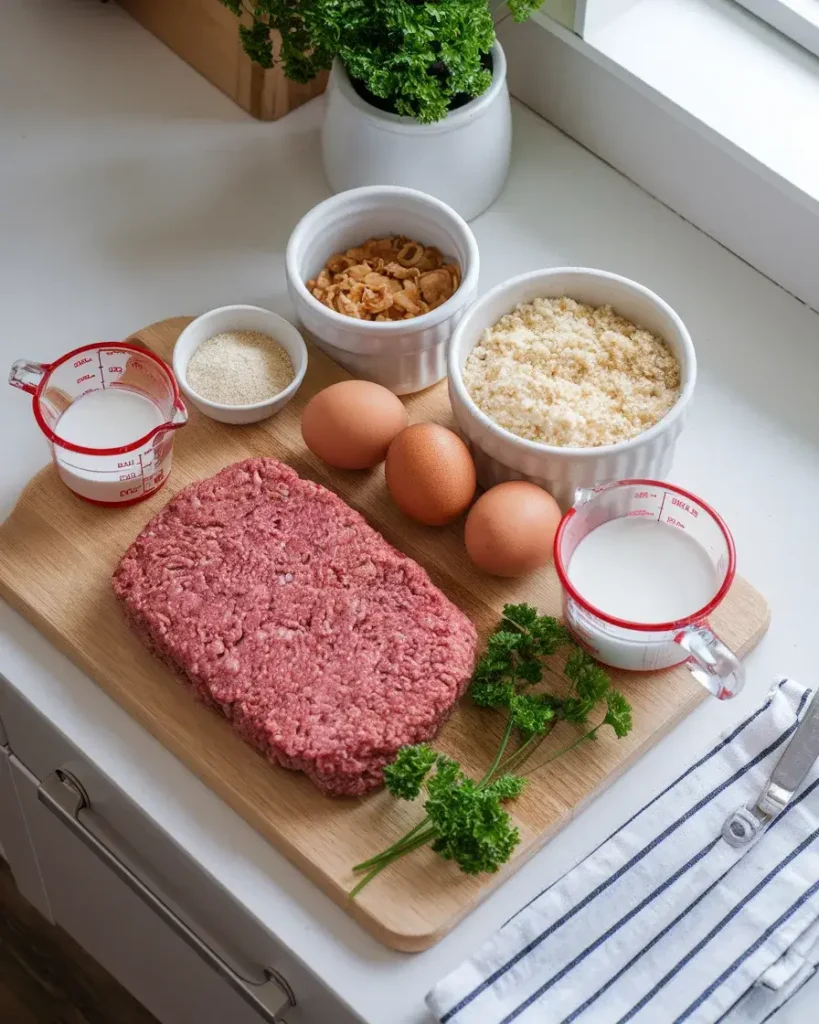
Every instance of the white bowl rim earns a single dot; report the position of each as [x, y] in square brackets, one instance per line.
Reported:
[689, 370]
[434, 316]
[289, 391]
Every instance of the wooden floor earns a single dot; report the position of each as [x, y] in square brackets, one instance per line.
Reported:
[46, 978]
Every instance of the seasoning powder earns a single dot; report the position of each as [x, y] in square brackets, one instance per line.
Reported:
[239, 368]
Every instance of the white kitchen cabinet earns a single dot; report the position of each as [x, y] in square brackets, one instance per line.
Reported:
[133, 899]
[120, 930]
[15, 840]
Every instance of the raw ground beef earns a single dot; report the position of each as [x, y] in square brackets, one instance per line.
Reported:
[325, 647]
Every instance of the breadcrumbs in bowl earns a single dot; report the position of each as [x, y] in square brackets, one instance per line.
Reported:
[239, 364]
[570, 392]
[572, 375]
[239, 368]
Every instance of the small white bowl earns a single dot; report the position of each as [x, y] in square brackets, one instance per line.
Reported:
[501, 455]
[239, 318]
[403, 355]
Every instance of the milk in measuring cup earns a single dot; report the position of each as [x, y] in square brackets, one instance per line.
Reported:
[643, 570]
[109, 418]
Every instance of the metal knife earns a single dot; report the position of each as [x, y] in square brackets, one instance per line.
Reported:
[747, 823]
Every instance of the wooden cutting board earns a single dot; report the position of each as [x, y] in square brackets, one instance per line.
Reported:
[57, 554]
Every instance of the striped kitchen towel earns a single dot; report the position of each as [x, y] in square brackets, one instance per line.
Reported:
[665, 921]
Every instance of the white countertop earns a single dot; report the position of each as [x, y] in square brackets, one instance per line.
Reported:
[132, 191]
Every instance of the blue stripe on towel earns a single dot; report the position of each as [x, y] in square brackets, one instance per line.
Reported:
[763, 938]
[753, 946]
[611, 931]
[778, 1007]
[726, 741]
[732, 913]
[533, 998]
[649, 946]
[534, 943]
[704, 759]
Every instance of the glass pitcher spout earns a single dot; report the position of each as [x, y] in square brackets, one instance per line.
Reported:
[180, 414]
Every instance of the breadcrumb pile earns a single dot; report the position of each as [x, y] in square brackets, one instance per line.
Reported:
[570, 375]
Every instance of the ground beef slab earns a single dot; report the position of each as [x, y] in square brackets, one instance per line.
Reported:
[325, 648]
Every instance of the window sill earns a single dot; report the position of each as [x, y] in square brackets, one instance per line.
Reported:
[703, 106]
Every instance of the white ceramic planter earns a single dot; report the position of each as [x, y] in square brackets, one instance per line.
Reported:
[462, 160]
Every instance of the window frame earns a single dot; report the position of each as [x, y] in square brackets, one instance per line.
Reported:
[796, 19]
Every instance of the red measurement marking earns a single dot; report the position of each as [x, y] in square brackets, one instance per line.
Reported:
[81, 362]
[128, 476]
[584, 638]
[85, 376]
[685, 507]
[640, 494]
[127, 491]
[639, 512]
[115, 369]
[675, 522]
[125, 465]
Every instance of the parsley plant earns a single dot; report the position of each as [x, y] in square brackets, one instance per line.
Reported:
[416, 55]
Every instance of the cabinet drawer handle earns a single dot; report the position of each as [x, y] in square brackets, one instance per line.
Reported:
[65, 797]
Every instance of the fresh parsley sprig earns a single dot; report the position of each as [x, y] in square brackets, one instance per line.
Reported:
[465, 821]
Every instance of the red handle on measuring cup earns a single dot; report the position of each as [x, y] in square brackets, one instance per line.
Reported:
[24, 368]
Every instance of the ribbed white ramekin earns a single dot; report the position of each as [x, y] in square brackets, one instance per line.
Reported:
[500, 455]
[404, 355]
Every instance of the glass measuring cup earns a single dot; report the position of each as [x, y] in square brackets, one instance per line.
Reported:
[645, 646]
[103, 475]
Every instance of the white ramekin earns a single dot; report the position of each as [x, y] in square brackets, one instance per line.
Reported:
[500, 455]
[239, 318]
[404, 355]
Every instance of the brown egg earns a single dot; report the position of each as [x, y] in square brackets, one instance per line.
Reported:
[350, 425]
[511, 528]
[430, 474]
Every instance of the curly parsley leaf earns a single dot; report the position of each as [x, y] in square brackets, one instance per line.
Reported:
[522, 9]
[404, 777]
[531, 713]
[618, 713]
[529, 672]
[503, 642]
[524, 616]
[472, 827]
[489, 693]
[591, 683]
[507, 787]
[257, 42]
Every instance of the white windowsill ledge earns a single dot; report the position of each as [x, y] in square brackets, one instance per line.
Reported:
[732, 72]
[705, 107]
